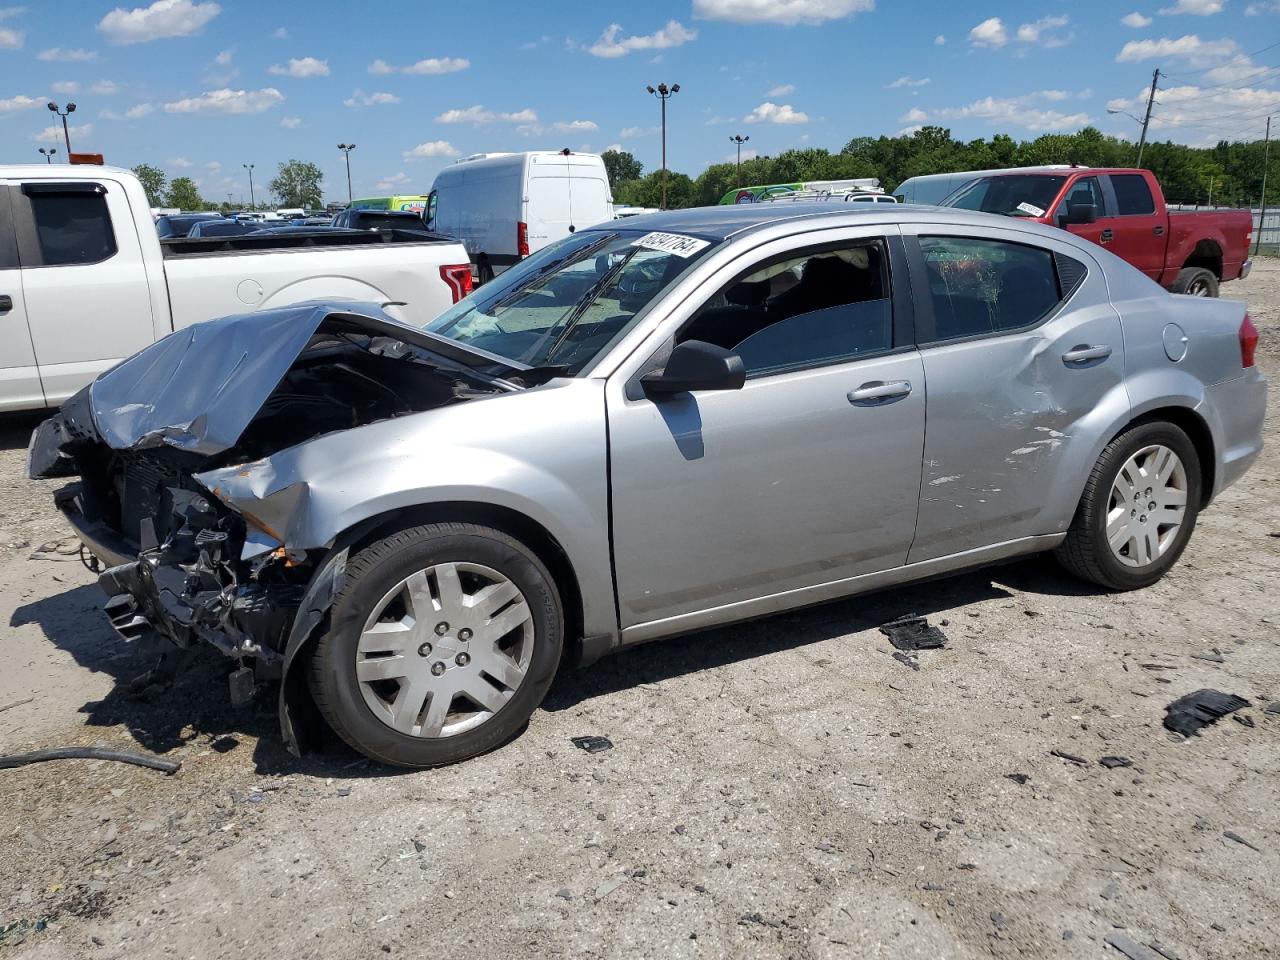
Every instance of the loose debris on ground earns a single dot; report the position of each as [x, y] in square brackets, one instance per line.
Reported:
[90, 753]
[1190, 714]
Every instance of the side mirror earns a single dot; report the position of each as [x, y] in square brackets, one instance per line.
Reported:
[1080, 213]
[696, 365]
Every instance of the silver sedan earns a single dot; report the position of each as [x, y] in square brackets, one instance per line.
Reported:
[652, 427]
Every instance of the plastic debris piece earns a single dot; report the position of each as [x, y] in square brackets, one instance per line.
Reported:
[1188, 715]
[907, 659]
[1081, 761]
[913, 633]
[1232, 835]
[1129, 947]
[592, 744]
[90, 753]
[1112, 762]
[1017, 777]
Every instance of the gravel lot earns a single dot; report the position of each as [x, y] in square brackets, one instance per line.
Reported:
[783, 788]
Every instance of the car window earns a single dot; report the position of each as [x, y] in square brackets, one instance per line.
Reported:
[1014, 195]
[72, 228]
[987, 286]
[8, 242]
[823, 306]
[1133, 195]
[1085, 190]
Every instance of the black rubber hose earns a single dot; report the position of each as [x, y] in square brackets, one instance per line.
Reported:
[90, 753]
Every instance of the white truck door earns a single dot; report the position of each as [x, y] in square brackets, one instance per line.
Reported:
[87, 296]
[19, 377]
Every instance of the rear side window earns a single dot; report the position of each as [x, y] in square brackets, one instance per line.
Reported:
[989, 287]
[72, 228]
[8, 242]
[1133, 196]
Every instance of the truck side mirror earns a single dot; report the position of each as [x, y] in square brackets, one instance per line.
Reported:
[696, 365]
[1080, 213]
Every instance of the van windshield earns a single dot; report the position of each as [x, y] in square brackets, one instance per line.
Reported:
[568, 303]
[1025, 195]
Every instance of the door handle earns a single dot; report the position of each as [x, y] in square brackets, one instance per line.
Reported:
[1082, 354]
[877, 392]
[1106, 237]
[1157, 231]
[6, 303]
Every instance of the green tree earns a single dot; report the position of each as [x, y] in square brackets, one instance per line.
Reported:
[297, 184]
[621, 166]
[153, 181]
[184, 195]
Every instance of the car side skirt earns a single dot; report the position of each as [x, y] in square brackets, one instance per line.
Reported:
[835, 589]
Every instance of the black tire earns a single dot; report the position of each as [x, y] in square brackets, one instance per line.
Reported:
[1086, 552]
[375, 570]
[1196, 282]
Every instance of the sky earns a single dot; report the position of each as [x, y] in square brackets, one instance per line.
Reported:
[199, 88]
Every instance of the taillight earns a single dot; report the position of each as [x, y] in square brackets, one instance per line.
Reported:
[458, 277]
[522, 239]
[1248, 342]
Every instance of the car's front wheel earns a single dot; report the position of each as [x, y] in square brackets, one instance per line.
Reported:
[1138, 509]
[442, 643]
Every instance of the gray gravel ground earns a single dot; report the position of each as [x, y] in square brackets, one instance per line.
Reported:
[777, 789]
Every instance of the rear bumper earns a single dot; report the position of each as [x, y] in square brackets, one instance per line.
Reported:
[1236, 411]
[1245, 268]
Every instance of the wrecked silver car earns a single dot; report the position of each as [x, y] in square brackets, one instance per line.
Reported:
[687, 420]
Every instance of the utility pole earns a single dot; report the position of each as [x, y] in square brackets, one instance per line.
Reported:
[1146, 120]
[1262, 216]
[739, 140]
[252, 202]
[346, 149]
[664, 93]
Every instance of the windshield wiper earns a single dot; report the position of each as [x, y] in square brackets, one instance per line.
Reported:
[583, 306]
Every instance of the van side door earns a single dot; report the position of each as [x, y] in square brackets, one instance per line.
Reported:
[19, 378]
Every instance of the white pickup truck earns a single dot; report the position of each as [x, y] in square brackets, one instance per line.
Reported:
[85, 281]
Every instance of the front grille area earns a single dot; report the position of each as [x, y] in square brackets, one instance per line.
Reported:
[145, 505]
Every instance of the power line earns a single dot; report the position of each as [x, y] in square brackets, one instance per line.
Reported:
[1230, 83]
[1250, 55]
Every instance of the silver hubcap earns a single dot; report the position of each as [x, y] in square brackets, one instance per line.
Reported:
[1199, 289]
[1148, 503]
[444, 650]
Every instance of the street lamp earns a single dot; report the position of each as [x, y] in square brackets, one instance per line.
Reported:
[664, 93]
[739, 140]
[346, 149]
[252, 202]
[71, 108]
[48, 154]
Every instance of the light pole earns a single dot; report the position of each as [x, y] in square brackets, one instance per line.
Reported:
[346, 149]
[664, 93]
[71, 108]
[739, 140]
[48, 154]
[252, 202]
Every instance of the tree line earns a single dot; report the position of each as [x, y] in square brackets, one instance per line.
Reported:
[296, 184]
[1228, 174]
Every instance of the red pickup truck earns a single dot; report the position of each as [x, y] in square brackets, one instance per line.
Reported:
[1124, 211]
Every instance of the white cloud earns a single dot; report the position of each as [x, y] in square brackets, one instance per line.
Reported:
[788, 12]
[377, 98]
[66, 86]
[54, 134]
[1195, 113]
[574, 126]
[180, 163]
[11, 39]
[431, 148]
[1197, 8]
[989, 33]
[907, 82]
[223, 58]
[163, 19]
[228, 101]
[138, 111]
[479, 115]
[105, 88]
[14, 104]
[1262, 8]
[630, 133]
[1189, 47]
[1041, 31]
[8, 13]
[612, 148]
[280, 33]
[746, 155]
[940, 40]
[301, 68]
[393, 181]
[291, 123]
[214, 166]
[428, 67]
[914, 115]
[70, 56]
[612, 44]
[782, 91]
[1021, 111]
[1135, 20]
[769, 112]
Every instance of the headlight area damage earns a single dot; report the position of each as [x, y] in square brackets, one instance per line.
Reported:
[149, 439]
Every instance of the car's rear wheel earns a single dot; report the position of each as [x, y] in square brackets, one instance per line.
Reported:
[442, 643]
[1138, 510]
[1196, 282]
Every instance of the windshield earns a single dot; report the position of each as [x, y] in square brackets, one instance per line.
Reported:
[569, 302]
[1014, 196]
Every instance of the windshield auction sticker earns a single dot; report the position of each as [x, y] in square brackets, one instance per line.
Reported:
[1030, 208]
[672, 243]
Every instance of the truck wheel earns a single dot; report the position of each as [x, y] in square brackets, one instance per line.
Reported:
[1196, 282]
[441, 645]
[1138, 509]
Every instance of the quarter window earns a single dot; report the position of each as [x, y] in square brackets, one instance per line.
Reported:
[1133, 195]
[818, 307]
[73, 227]
[987, 287]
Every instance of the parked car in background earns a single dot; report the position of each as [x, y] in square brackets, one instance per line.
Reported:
[180, 224]
[651, 427]
[291, 213]
[773, 191]
[86, 281]
[933, 188]
[221, 227]
[1123, 210]
[380, 220]
[505, 206]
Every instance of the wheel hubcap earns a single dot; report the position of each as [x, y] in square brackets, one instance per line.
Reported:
[444, 650]
[1147, 507]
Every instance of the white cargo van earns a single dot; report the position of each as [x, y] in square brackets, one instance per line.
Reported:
[505, 206]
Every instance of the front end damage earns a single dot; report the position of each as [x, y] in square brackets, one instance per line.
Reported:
[147, 440]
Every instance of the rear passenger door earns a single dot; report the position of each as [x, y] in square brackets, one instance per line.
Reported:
[1023, 365]
[1137, 235]
[19, 378]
